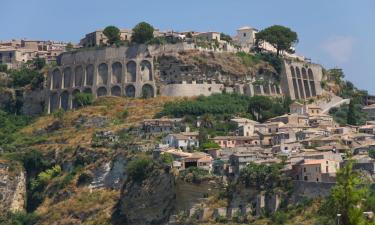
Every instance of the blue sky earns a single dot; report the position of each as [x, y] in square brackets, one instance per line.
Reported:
[334, 33]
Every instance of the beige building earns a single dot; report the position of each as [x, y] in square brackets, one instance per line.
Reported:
[211, 35]
[97, 38]
[316, 170]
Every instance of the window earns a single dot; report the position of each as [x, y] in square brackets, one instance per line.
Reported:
[304, 169]
[244, 34]
[326, 169]
[305, 178]
[269, 130]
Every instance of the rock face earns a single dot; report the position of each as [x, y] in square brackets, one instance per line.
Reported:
[12, 187]
[148, 202]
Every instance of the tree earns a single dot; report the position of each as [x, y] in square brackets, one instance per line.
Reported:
[142, 33]
[280, 37]
[337, 75]
[351, 116]
[258, 106]
[113, 34]
[39, 63]
[225, 37]
[347, 197]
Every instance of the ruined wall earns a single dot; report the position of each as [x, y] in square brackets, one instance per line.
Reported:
[191, 89]
[302, 189]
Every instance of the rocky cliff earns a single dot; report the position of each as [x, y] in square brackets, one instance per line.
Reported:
[12, 187]
[148, 202]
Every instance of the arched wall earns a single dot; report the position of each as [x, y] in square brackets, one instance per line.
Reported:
[102, 74]
[131, 71]
[56, 79]
[67, 74]
[116, 72]
[78, 76]
[89, 75]
[146, 70]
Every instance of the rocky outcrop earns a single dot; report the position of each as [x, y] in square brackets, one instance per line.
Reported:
[150, 201]
[12, 187]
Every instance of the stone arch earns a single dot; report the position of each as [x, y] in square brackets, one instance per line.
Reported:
[74, 101]
[146, 71]
[116, 72]
[67, 73]
[310, 73]
[64, 100]
[78, 76]
[103, 74]
[102, 91]
[304, 74]
[147, 91]
[298, 73]
[89, 75]
[131, 71]
[56, 79]
[54, 102]
[130, 91]
[293, 72]
[116, 91]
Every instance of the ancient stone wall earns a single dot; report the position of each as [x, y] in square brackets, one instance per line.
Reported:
[301, 80]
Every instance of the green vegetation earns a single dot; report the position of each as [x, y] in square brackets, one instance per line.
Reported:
[9, 125]
[349, 114]
[210, 145]
[347, 198]
[69, 46]
[371, 153]
[253, 59]
[264, 177]
[83, 99]
[19, 218]
[113, 35]
[26, 76]
[225, 37]
[193, 174]
[280, 37]
[142, 33]
[139, 168]
[258, 107]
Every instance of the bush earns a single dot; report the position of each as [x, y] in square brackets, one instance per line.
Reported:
[193, 174]
[167, 158]
[26, 76]
[210, 145]
[139, 168]
[83, 99]
[19, 218]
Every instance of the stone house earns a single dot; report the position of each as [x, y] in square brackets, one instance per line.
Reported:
[315, 170]
[235, 141]
[368, 129]
[246, 127]
[298, 108]
[184, 140]
[294, 119]
[163, 125]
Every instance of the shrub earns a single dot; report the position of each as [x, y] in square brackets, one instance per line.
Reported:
[167, 158]
[139, 168]
[83, 99]
[3, 67]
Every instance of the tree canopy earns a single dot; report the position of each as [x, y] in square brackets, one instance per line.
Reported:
[142, 33]
[113, 34]
[280, 37]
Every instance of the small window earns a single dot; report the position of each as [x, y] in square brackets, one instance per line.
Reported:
[244, 34]
[304, 169]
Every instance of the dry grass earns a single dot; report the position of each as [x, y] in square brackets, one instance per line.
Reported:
[109, 107]
[86, 207]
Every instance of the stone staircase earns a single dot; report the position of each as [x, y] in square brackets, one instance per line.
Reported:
[334, 101]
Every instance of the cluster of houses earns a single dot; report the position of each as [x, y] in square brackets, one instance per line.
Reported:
[312, 143]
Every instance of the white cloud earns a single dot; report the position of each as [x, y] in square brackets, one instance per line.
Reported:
[339, 48]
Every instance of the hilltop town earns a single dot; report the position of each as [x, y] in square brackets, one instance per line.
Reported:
[167, 127]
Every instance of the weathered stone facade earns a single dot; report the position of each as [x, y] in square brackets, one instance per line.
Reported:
[109, 71]
[301, 80]
[141, 70]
